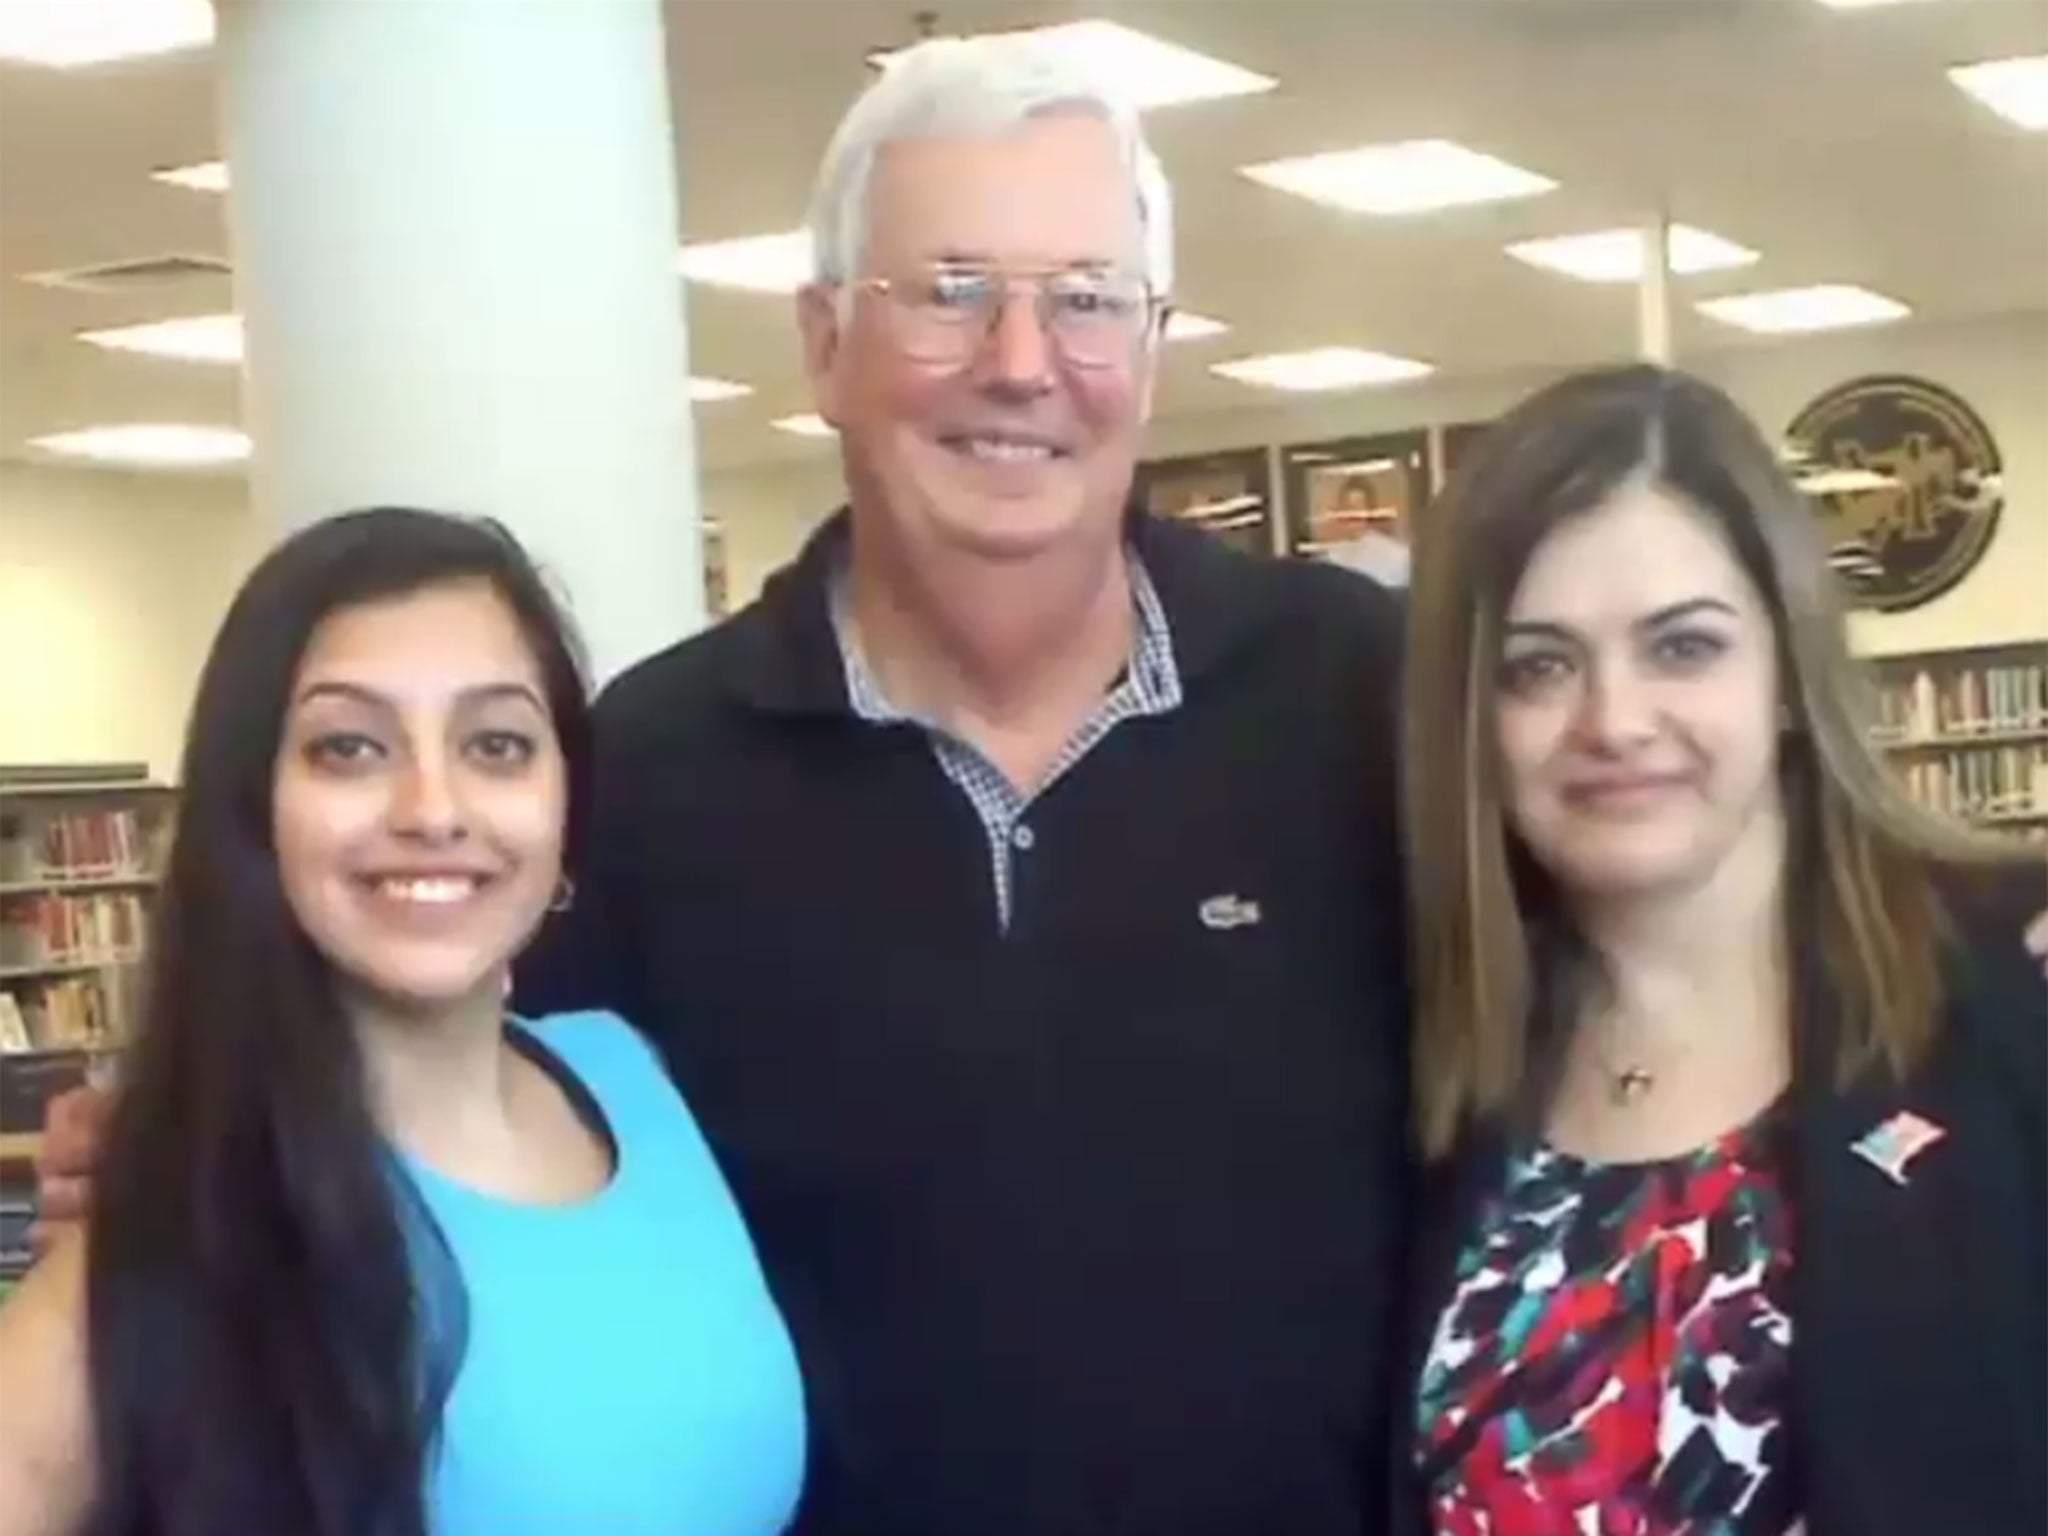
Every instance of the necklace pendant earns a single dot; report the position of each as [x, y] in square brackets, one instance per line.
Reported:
[1630, 1084]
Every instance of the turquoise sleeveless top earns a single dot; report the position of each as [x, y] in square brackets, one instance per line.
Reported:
[625, 1370]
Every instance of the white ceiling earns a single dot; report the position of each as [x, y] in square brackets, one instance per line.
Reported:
[1830, 141]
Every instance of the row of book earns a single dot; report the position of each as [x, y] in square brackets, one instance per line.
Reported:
[1969, 701]
[74, 845]
[50, 928]
[17, 1209]
[67, 1013]
[29, 1080]
[1986, 782]
[17, 1212]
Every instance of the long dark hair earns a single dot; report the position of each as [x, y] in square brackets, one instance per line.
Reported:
[275, 1323]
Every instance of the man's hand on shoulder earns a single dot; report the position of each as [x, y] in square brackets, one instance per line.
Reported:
[74, 1124]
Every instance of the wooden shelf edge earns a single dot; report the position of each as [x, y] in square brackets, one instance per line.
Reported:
[20, 1146]
[1956, 741]
[84, 791]
[54, 971]
[77, 885]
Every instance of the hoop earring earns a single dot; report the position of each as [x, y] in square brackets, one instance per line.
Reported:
[565, 895]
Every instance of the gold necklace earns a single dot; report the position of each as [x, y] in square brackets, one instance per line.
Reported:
[1628, 1081]
[1627, 1084]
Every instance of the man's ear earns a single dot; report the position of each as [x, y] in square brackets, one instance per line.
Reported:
[817, 323]
[1149, 360]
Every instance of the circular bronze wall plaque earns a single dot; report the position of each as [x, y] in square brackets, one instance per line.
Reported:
[1905, 472]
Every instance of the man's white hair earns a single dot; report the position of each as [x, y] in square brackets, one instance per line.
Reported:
[980, 87]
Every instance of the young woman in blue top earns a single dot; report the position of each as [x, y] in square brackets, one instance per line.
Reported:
[367, 1257]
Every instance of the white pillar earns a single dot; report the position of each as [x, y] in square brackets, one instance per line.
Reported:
[1653, 292]
[454, 230]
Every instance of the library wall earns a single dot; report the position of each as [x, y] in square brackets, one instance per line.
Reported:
[1999, 366]
[114, 583]
[110, 588]
[766, 514]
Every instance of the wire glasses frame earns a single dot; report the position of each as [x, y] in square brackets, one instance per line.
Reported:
[945, 313]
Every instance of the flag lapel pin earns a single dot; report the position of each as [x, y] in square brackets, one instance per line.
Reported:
[1891, 1147]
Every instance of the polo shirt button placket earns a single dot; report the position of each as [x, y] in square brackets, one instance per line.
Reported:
[1018, 842]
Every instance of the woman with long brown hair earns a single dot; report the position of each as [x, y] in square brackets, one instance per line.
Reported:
[1739, 1221]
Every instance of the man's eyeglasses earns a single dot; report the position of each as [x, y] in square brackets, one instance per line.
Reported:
[943, 314]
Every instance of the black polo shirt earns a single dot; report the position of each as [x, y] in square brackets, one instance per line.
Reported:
[1095, 1223]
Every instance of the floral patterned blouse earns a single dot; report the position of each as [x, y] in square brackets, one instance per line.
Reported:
[1615, 1358]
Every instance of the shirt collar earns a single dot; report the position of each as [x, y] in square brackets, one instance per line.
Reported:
[1151, 676]
[1187, 586]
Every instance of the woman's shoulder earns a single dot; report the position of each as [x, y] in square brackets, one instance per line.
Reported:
[609, 1059]
[592, 1035]
[621, 1071]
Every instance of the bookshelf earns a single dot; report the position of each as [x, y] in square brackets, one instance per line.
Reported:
[78, 883]
[80, 855]
[1968, 731]
[17, 1209]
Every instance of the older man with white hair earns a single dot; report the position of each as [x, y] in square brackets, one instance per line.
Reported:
[1013, 889]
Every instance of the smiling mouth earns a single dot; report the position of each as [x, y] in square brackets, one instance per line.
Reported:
[1624, 789]
[426, 890]
[997, 448]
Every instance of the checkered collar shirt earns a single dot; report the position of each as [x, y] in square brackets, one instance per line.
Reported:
[1150, 685]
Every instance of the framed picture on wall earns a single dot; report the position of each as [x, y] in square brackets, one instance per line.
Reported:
[1230, 493]
[717, 592]
[1453, 442]
[1352, 500]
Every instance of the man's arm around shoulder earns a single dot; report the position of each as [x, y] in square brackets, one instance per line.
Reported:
[46, 1443]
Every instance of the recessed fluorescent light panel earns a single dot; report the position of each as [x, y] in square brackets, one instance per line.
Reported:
[218, 339]
[710, 391]
[1186, 325]
[151, 444]
[1790, 311]
[1322, 368]
[2016, 89]
[1616, 255]
[206, 176]
[806, 425]
[189, 338]
[1419, 176]
[1147, 71]
[70, 34]
[756, 263]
